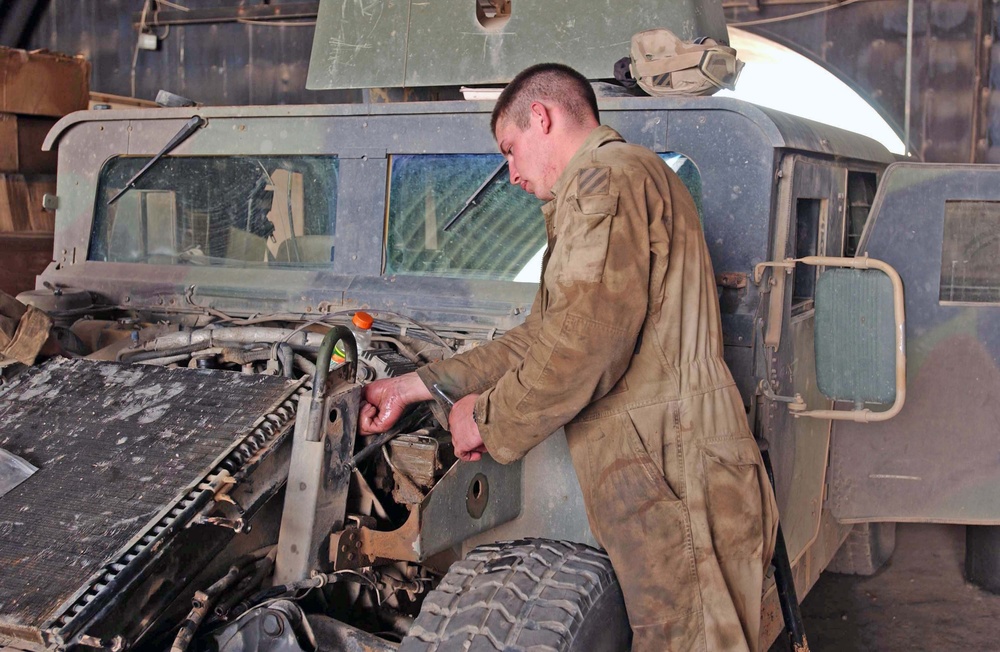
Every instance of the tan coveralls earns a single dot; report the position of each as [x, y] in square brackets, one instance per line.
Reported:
[623, 346]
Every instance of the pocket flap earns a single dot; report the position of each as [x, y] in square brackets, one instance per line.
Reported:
[598, 204]
[741, 451]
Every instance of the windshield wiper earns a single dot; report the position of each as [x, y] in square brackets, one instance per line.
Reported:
[189, 128]
[476, 196]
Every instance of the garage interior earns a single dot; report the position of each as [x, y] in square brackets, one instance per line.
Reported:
[930, 69]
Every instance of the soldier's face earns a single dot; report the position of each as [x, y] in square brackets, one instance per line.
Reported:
[529, 158]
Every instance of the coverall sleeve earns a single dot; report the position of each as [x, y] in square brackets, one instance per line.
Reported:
[477, 369]
[597, 293]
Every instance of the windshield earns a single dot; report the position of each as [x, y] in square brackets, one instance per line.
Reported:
[498, 237]
[232, 211]
[501, 237]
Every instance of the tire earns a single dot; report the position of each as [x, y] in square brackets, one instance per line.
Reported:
[982, 556]
[866, 549]
[532, 594]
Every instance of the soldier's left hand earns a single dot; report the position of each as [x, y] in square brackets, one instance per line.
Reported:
[465, 437]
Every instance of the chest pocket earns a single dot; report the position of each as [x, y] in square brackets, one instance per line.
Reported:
[585, 237]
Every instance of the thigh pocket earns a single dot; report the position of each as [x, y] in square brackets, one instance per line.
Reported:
[733, 472]
[645, 527]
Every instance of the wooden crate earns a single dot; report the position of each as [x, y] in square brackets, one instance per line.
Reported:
[25, 256]
[21, 203]
[21, 139]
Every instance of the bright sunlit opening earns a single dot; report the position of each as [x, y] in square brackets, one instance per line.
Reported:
[779, 78]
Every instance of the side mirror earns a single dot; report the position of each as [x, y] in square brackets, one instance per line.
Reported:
[860, 337]
[855, 336]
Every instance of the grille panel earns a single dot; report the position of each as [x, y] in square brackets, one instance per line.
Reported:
[118, 447]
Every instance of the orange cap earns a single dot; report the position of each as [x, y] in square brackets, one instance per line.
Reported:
[362, 320]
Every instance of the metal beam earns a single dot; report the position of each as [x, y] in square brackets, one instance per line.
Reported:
[290, 11]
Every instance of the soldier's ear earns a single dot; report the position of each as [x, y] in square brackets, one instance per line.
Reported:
[542, 115]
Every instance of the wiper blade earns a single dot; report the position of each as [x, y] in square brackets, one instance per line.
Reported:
[476, 196]
[189, 128]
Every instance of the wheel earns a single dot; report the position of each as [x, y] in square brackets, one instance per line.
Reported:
[518, 595]
[866, 549]
[982, 556]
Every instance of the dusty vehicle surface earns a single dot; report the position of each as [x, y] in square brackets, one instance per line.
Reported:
[201, 482]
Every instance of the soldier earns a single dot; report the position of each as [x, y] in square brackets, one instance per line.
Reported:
[623, 347]
[24, 332]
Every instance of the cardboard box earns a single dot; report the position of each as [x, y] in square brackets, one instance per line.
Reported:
[42, 83]
[21, 139]
[21, 203]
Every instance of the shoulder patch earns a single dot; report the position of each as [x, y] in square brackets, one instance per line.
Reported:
[593, 181]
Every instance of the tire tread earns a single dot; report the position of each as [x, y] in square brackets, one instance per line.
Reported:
[512, 596]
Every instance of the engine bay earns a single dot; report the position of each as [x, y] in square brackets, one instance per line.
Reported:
[160, 516]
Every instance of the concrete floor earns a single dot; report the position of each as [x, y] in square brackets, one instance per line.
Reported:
[918, 601]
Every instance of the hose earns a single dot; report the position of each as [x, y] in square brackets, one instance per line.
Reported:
[261, 569]
[142, 355]
[201, 604]
[305, 364]
[286, 358]
[230, 334]
[284, 589]
[336, 334]
[162, 362]
[203, 600]
[240, 356]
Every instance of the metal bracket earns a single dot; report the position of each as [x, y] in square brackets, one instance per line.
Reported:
[318, 483]
[758, 270]
[470, 498]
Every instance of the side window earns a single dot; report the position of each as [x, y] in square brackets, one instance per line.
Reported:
[970, 253]
[808, 227]
[501, 236]
[688, 172]
[860, 195]
[231, 211]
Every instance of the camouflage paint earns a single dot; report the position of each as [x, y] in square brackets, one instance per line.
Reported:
[936, 460]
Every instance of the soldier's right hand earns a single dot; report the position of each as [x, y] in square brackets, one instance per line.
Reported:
[385, 401]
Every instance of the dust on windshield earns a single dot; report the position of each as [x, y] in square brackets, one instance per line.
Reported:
[501, 237]
[231, 211]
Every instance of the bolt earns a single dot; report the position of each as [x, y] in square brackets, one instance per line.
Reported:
[272, 625]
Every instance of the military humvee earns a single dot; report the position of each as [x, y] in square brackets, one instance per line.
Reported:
[201, 483]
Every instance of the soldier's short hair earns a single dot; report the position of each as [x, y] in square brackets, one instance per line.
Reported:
[548, 82]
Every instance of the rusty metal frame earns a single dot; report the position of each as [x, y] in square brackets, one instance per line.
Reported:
[470, 498]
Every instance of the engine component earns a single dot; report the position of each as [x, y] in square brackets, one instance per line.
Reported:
[387, 363]
[415, 456]
[278, 627]
[468, 499]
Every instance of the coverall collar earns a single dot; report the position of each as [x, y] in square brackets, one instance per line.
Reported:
[599, 136]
